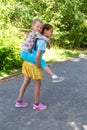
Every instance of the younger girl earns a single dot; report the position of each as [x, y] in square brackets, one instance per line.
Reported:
[37, 26]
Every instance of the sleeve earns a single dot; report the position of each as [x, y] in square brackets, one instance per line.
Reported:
[41, 45]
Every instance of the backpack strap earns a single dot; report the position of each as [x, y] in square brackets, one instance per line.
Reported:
[34, 45]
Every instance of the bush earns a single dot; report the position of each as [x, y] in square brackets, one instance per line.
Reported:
[10, 49]
[72, 28]
[9, 58]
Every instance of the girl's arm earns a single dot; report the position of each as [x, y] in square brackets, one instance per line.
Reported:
[38, 58]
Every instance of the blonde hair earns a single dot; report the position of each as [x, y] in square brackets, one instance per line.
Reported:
[37, 20]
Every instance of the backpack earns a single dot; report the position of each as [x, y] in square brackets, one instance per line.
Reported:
[29, 43]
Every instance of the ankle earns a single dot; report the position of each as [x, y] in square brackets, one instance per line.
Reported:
[36, 103]
[20, 101]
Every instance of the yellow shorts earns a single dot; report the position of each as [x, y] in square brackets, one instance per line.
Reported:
[31, 71]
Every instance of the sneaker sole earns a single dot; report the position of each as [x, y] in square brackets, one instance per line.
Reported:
[20, 106]
[56, 81]
[39, 109]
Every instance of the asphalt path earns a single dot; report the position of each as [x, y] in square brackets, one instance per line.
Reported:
[66, 100]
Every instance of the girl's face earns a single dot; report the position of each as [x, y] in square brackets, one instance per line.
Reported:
[37, 27]
[48, 33]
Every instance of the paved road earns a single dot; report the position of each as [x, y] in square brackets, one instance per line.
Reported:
[67, 101]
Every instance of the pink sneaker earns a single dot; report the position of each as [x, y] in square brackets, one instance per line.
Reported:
[21, 104]
[39, 107]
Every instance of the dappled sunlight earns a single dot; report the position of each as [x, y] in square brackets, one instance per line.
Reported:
[85, 127]
[70, 54]
[73, 125]
[53, 55]
[76, 60]
[76, 126]
[84, 56]
[57, 55]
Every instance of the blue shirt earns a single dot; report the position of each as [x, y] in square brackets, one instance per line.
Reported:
[40, 45]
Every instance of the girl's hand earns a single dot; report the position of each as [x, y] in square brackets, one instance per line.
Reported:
[38, 66]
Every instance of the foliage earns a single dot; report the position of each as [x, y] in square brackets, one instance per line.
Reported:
[69, 18]
[9, 49]
[73, 27]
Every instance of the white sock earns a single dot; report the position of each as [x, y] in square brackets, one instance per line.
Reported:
[54, 76]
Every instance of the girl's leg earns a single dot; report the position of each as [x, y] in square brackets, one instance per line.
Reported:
[23, 87]
[46, 68]
[54, 77]
[49, 71]
[20, 102]
[37, 91]
[37, 105]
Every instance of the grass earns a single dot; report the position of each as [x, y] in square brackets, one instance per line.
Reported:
[57, 54]
[53, 55]
[6, 73]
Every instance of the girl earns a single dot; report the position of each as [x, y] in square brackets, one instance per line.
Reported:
[42, 42]
[37, 53]
[31, 71]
